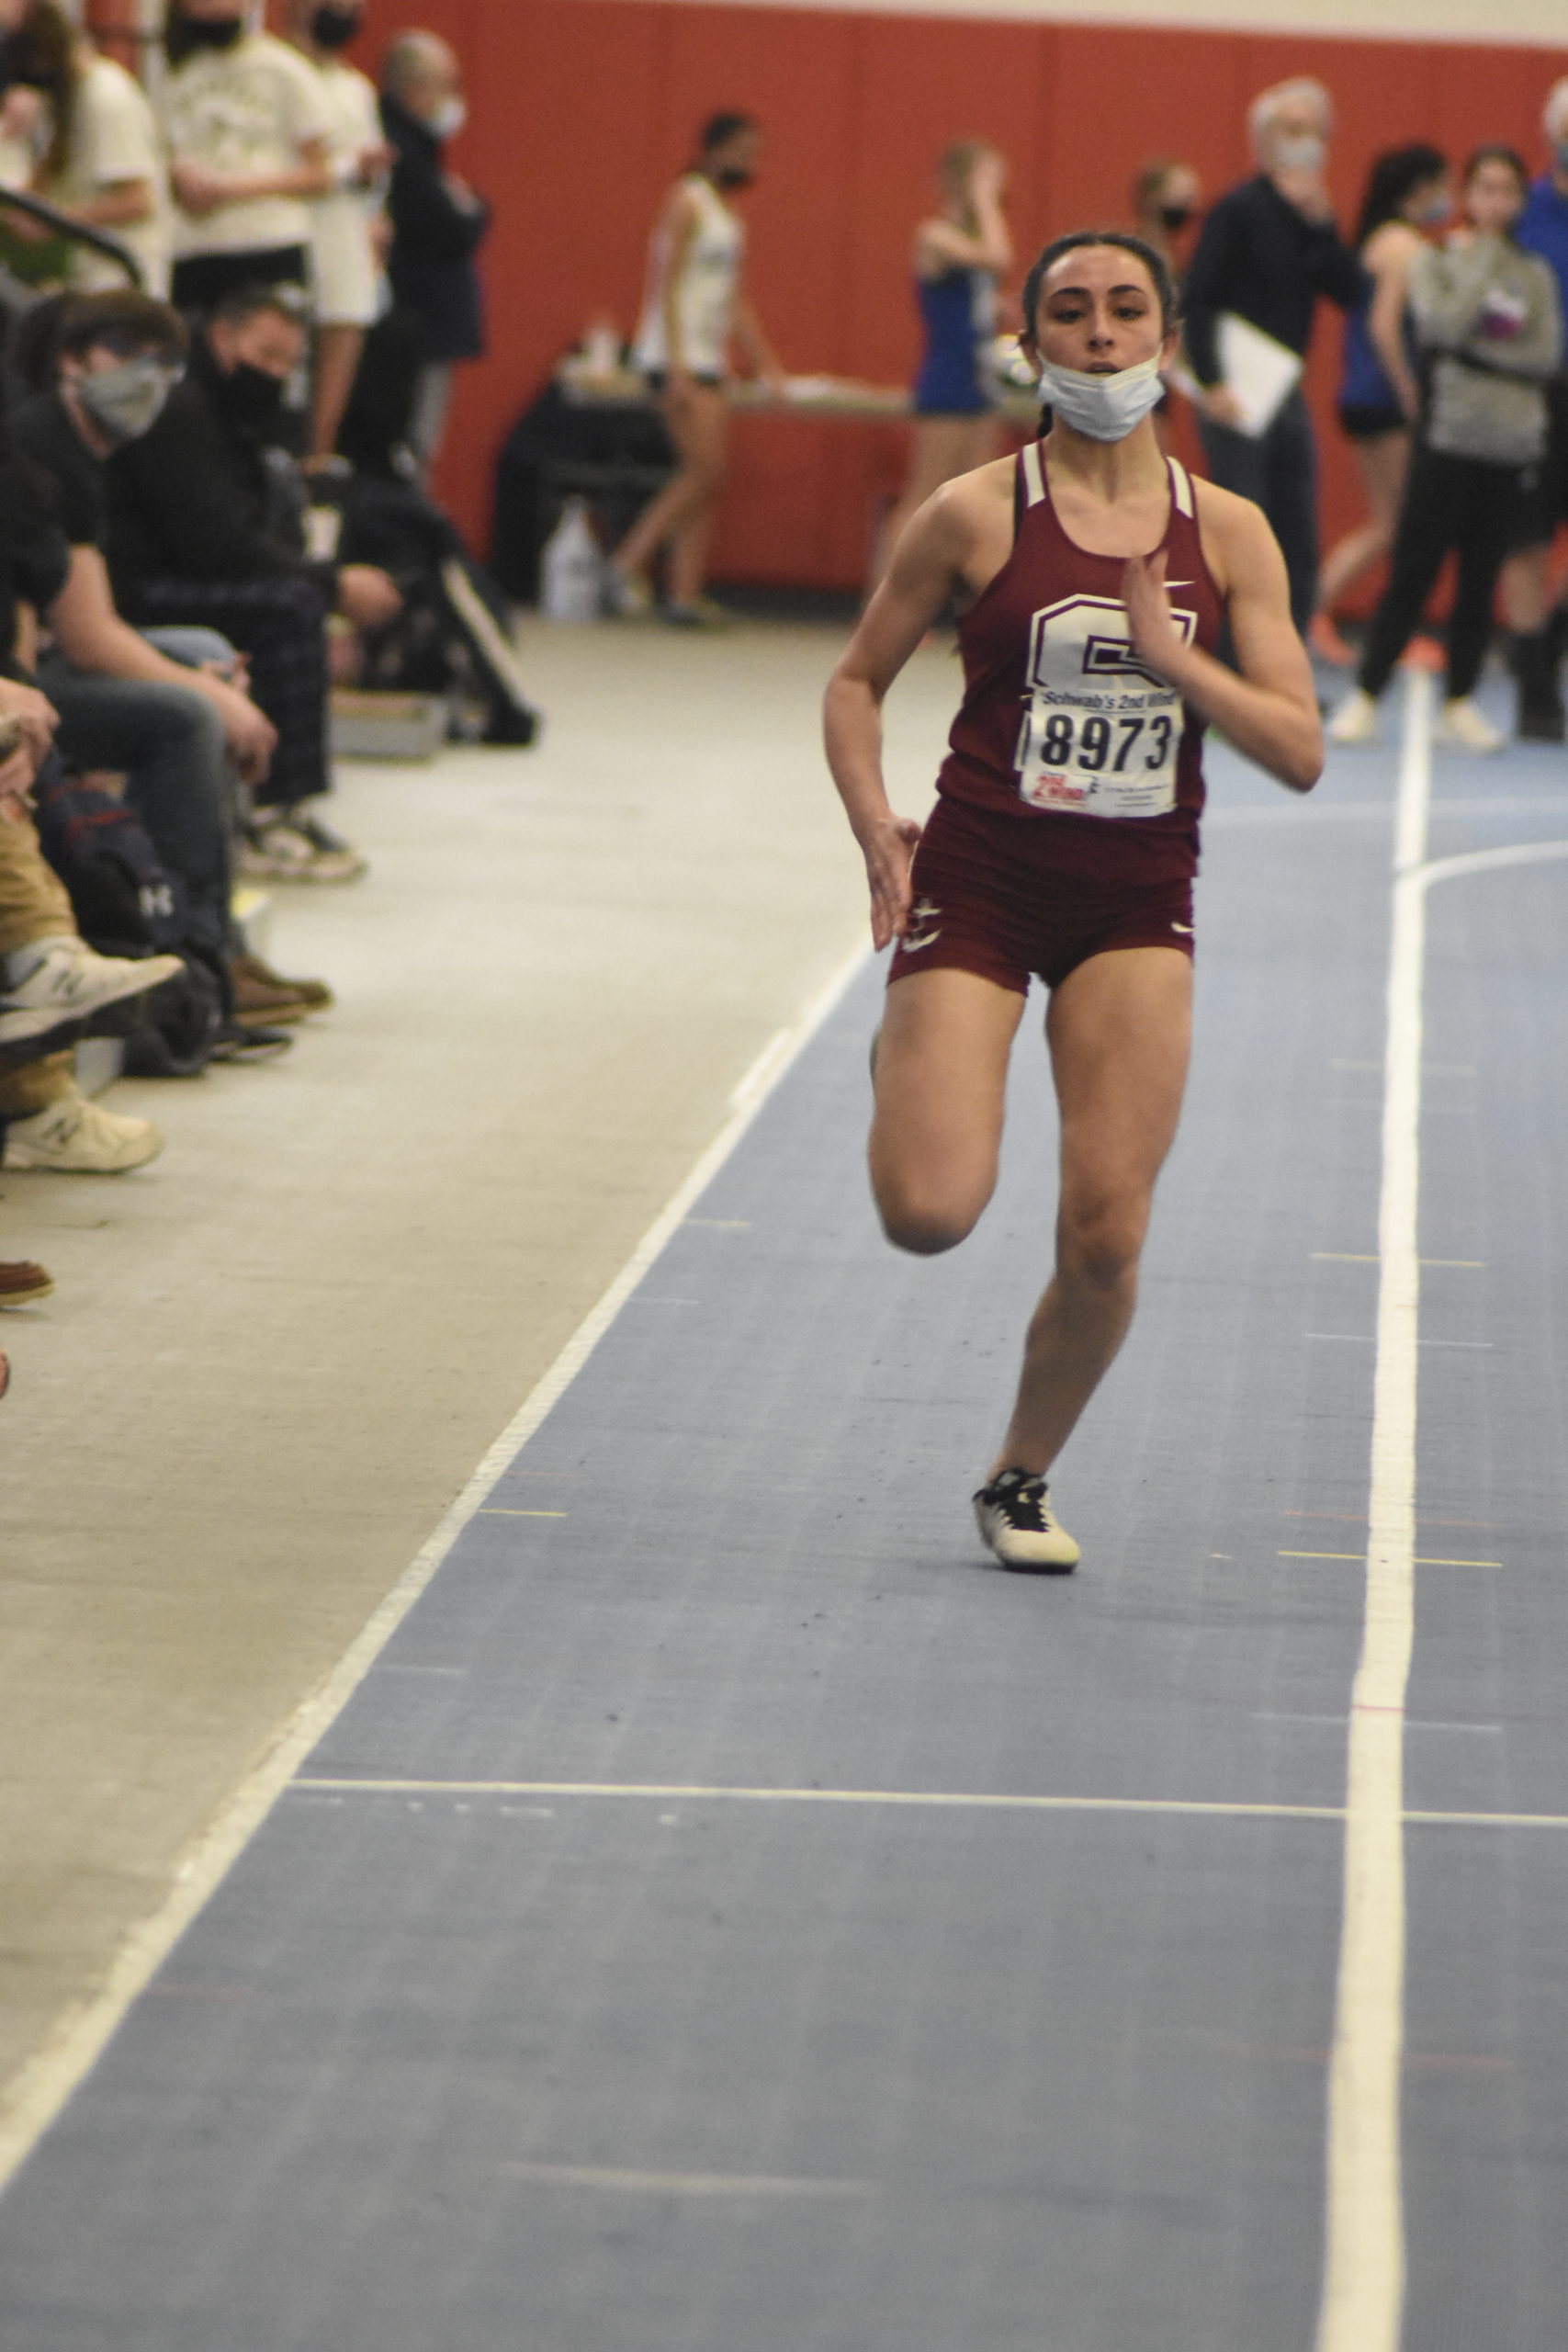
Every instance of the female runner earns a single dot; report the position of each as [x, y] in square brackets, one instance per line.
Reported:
[695, 302]
[1095, 578]
[960, 253]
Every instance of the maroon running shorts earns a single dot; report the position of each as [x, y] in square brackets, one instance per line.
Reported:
[989, 898]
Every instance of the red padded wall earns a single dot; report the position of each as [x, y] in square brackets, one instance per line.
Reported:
[582, 111]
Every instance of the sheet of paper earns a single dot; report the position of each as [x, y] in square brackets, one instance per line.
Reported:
[1261, 373]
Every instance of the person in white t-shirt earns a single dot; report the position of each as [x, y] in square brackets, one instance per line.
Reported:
[248, 133]
[99, 157]
[347, 226]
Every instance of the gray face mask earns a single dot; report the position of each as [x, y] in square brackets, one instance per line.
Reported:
[126, 402]
[1302, 153]
[1560, 154]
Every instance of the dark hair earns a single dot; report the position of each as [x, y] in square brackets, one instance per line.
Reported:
[1150, 180]
[243, 302]
[720, 128]
[1498, 151]
[43, 51]
[1141, 250]
[67, 326]
[1394, 175]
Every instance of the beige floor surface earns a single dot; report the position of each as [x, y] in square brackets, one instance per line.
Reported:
[274, 1357]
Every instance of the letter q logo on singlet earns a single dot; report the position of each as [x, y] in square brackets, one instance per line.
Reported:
[1101, 732]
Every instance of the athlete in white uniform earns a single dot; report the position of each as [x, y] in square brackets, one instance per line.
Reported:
[346, 266]
[695, 303]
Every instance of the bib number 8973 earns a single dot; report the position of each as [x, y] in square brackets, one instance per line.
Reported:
[1099, 744]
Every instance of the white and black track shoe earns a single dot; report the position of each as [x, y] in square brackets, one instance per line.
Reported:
[1016, 1520]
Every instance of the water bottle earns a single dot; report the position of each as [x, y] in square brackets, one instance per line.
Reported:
[571, 567]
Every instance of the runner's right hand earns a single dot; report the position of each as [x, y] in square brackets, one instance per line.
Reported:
[889, 849]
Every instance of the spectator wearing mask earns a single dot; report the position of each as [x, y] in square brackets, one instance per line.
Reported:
[103, 365]
[248, 134]
[1167, 199]
[347, 226]
[694, 305]
[1489, 321]
[1267, 252]
[1407, 194]
[205, 526]
[102, 159]
[438, 224]
[1540, 627]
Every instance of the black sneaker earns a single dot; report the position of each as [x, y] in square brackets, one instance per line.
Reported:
[234, 1044]
[1016, 1520]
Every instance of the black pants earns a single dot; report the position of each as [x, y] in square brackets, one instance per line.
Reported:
[1458, 503]
[1278, 472]
[201, 280]
[280, 621]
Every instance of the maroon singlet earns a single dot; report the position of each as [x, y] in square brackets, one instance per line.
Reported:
[1061, 728]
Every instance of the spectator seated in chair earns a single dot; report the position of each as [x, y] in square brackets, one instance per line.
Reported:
[101, 366]
[207, 526]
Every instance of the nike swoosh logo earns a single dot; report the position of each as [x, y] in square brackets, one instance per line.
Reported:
[1182, 584]
[1185, 928]
[913, 946]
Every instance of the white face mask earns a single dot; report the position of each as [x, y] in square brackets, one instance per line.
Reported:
[1106, 408]
[448, 119]
[1305, 152]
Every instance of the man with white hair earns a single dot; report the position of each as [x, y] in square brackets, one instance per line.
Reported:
[1541, 631]
[1268, 251]
[437, 222]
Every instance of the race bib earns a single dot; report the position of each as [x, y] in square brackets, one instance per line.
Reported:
[1101, 732]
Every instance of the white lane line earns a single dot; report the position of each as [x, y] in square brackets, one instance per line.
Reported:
[40, 2090]
[1364, 2286]
[1363, 2292]
[685, 2184]
[961, 1801]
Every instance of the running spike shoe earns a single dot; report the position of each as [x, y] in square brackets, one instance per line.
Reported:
[1016, 1520]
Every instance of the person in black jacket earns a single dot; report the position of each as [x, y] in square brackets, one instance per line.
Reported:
[1267, 252]
[206, 526]
[438, 224]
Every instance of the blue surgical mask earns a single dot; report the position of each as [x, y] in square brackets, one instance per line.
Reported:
[1305, 152]
[1106, 408]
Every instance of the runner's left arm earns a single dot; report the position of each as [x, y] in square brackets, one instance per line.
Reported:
[1268, 711]
[918, 581]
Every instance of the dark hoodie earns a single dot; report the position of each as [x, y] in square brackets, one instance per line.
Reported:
[434, 238]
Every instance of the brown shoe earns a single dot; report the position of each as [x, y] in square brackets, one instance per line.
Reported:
[22, 1283]
[263, 997]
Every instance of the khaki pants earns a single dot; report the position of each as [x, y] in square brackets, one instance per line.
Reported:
[33, 905]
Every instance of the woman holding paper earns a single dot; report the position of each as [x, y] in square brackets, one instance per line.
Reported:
[1094, 578]
[1267, 252]
[1490, 325]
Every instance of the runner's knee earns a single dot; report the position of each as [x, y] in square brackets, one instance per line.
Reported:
[924, 1220]
[1100, 1240]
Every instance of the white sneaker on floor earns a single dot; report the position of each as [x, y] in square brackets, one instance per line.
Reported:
[1464, 726]
[1355, 721]
[1015, 1517]
[77, 1138]
[60, 979]
[288, 846]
